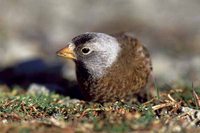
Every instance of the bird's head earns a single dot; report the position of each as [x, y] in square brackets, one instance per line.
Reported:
[92, 51]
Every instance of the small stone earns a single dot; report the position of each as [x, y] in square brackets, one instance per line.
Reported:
[37, 89]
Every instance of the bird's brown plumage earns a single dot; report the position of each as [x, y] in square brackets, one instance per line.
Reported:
[128, 74]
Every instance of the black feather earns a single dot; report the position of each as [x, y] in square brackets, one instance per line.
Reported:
[83, 38]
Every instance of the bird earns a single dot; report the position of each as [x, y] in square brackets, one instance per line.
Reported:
[109, 67]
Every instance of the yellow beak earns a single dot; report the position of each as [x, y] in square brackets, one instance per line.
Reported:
[67, 52]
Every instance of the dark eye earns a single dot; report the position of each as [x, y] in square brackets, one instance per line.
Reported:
[85, 50]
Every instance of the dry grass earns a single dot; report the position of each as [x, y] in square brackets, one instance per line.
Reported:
[23, 112]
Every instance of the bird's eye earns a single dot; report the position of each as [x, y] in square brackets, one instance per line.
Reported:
[85, 50]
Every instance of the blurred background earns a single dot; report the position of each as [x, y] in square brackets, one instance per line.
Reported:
[31, 31]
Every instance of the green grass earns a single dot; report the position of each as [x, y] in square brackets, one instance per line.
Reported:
[24, 113]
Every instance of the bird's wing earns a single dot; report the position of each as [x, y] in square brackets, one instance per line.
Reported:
[131, 44]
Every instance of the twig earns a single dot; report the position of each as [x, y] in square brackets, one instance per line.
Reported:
[89, 109]
[171, 98]
[156, 107]
[196, 97]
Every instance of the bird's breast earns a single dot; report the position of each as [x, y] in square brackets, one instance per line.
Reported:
[110, 87]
